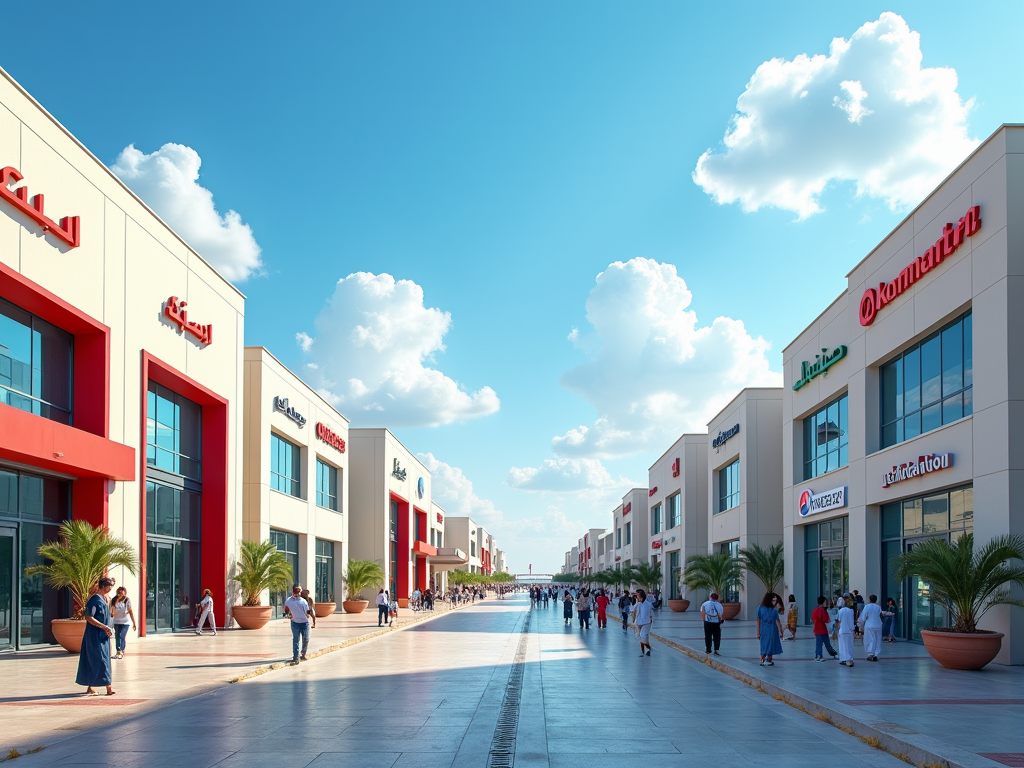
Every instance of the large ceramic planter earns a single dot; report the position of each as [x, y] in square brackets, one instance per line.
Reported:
[678, 606]
[354, 606]
[403, 602]
[730, 610]
[252, 616]
[69, 633]
[323, 610]
[961, 650]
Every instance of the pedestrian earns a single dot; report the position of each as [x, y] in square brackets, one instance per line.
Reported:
[583, 609]
[644, 620]
[206, 608]
[567, 607]
[711, 614]
[602, 602]
[871, 626]
[792, 618]
[545, 595]
[846, 623]
[382, 608]
[625, 604]
[309, 601]
[94, 659]
[121, 616]
[769, 628]
[392, 611]
[821, 627]
[889, 620]
[298, 609]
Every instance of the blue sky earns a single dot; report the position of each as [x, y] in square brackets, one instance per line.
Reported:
[499, 157]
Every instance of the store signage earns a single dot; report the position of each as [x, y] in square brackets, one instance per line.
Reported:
[440, 517]
[723, 436]
[952, 238]
[811, 502]
[328, 435]
[923, 466]
[420, 488]
[820, 366]
[281, 404]
[675, 468]
[627, 508]
[655, 545]
[175, 311]
[653, 491]
[617, 559]
[397, 471]
[68, 231]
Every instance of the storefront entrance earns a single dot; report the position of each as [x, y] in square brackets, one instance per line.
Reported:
[171, 585]
[8, 626]
[826, 562]
[835, 574]
[921, 611]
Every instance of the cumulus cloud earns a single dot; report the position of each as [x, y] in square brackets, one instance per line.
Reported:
[168, 181]
[654, 371]
[374, 339]
[562, 475]
[866, 113]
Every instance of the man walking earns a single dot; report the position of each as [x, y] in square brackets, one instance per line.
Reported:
[382, 607]
[711, 613]
[871, 626]
[822, 624]
[625, 605]
[299, 611]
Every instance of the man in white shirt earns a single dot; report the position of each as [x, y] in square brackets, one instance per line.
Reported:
[382, 607]
[845, 619]
[299, 610]
[711, 613]
[871, 626]
[206, 606]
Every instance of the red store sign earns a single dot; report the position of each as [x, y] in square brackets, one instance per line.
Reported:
[440, 517]
[653, 491]
[675, 468]
[952, 238]
[68, 231]
[175, 311]
[655, 545]
[627, 509]
[334, 440]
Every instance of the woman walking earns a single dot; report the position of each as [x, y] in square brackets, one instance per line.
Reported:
[583, 609]
[871, 626]
[889, 620]
[644, 618]
[602, 602]
[567, 607]
[122, 614]
[769, 629]
[792, 618]
[94, 660]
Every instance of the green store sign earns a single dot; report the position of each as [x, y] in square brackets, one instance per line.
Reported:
[821, 364]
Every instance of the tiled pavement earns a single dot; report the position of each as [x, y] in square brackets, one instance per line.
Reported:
[431, 695]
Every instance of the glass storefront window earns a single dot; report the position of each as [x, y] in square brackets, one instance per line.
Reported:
[324, 580]
[656, 519]
[288, 544]
[674, 575]
[326, 486]
[173, 433]
[36, 363]
[284, 466]
[928, 385]
[732, 591]
[729, 486]
[674, 510]
[826, 562]
[826, 438]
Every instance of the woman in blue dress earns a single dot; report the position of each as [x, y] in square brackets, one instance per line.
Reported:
[769, 629]
[94, 660]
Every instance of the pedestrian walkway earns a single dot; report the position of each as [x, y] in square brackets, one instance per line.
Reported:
[436, 694]
[41, 704]
[965, 717]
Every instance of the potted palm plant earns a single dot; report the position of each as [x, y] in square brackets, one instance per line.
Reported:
[261, 567]
[715, 573]
[767, 565]
[80, 556]
[361, 574]
[967, 583]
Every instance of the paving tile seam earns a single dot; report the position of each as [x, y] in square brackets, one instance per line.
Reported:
[923, 751]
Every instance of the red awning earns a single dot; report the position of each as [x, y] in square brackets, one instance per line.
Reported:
[422, 549]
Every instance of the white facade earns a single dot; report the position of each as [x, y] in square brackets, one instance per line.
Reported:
[464, 533]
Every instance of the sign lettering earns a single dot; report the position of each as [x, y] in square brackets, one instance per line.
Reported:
[325, 433]
[175, 311]
[923, 466]
[281, 404]
[68, 231]
[821, 502]
[723, 436]
[397, 471]
[820, 366]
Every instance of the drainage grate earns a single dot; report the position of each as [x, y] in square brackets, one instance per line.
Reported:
[503, 744]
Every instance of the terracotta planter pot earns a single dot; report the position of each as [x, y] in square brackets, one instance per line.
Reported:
[323, 610]
[251, 616]
[403, 602]
[730, 610]
[354, 606]
[957, 650]
[69, 633]
[678, 606]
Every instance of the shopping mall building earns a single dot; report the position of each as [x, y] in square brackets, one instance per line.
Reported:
[902, 400]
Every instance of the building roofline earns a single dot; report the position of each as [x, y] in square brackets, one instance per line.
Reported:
[739, 394]
[316, 394]
[674, 444]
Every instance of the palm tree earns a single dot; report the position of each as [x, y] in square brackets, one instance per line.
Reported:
[624, 576]
[261, 567]
[965, 582]
[714, 573]
[363, 574]
[647, 576]
[768, 565]
[79, 558]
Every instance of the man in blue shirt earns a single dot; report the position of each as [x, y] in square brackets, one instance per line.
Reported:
[299, 611]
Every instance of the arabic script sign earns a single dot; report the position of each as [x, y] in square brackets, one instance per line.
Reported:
[397, 471]
[281, 404]
[723, 436]
[923, 466]
[68, 231]
[952, 238]
[328, 435]
[628, 508]
[821, 364]
[175, 311]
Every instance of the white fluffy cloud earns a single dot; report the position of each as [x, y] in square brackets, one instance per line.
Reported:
[374, 337]
[654, 371]
[866, 113]
[562, 476]
[168, 181]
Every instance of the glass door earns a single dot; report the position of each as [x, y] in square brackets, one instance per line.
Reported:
[922, 612]
[8, 604]
[160, 587]
[834, 574]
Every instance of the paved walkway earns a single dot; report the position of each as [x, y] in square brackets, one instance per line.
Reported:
[432, 695]
[40, 703]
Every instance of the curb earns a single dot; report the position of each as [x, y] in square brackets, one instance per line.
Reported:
[919, 749]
